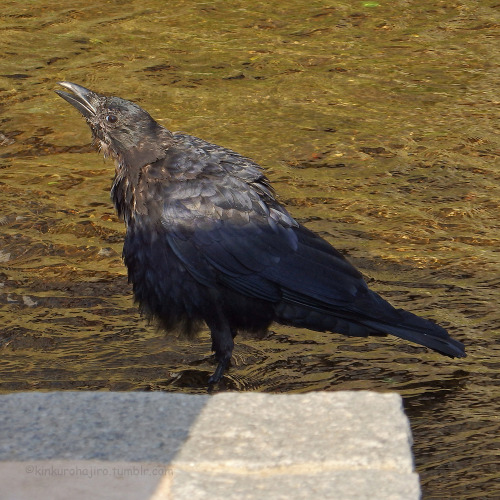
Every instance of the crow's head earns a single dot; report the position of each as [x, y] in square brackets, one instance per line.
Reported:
[120, 128]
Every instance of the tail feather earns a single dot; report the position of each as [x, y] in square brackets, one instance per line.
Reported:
[421, 331]
[383, 317]
[370, 314]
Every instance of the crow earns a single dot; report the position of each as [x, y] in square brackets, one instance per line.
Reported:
[207, 242]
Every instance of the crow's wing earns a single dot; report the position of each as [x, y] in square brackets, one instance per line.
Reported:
[229, 233]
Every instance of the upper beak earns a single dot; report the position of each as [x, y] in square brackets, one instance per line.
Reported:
[82, 99]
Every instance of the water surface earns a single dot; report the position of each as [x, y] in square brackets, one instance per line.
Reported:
[377, 123]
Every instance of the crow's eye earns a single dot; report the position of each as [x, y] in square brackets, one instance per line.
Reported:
[111, 118]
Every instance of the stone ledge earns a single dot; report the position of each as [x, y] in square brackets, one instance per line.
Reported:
[232, 445]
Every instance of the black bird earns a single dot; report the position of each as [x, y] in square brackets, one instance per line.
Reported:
[207, 242]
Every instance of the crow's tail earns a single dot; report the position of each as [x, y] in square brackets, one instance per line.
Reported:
[369, 314]
[410, 327]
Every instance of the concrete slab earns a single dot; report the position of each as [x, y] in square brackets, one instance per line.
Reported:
[304, 432]
[160, 446]
[119, 426]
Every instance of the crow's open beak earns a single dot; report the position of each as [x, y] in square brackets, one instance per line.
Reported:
[82, 99]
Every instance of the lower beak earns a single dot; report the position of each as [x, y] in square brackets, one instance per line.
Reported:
[82, 99]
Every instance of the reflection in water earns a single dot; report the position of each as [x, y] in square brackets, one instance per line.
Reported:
[377, 127]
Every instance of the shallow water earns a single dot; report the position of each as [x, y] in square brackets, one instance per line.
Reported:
[377, 123]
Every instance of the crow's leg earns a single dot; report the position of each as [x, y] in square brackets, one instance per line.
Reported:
[233, 334]
[222, 345]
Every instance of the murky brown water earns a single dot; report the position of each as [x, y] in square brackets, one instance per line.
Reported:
[379, 128]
